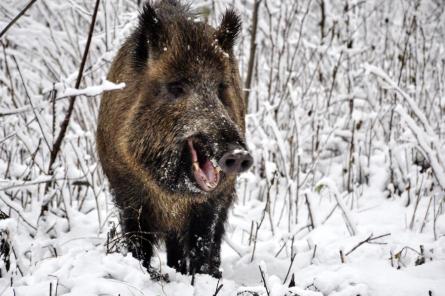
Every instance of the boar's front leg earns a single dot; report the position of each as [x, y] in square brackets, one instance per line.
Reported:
[135, 216]
[205, 233]
[176, 252]
[138, 235]
[215, 255]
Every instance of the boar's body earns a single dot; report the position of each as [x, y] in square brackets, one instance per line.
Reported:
[172, 141]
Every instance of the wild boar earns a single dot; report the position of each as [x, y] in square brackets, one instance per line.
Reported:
[172, 142]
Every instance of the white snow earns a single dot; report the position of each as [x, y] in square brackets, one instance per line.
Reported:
[91, 90]
[347, 192]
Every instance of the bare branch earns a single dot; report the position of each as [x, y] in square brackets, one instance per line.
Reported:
[11, 23]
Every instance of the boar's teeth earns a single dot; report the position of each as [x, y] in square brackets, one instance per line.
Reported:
[215, 164]
[211, 185]
[195, 166]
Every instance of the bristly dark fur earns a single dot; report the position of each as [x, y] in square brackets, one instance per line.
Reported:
[151, 29]
[229, 29]
[143, 130]
[147, 30]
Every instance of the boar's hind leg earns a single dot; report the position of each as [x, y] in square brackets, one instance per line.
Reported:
[205, 233]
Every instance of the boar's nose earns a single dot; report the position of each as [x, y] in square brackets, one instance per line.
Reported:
[235, 161]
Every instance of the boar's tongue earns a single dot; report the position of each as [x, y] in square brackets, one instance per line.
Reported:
[205, 173]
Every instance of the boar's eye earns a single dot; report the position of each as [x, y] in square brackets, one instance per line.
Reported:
[222, 86]
[176, 89]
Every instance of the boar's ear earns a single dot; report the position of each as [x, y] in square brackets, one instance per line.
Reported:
[151, 25]
[228, 30]
[148, 35]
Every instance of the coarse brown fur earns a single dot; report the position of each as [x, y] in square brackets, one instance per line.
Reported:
[142, 129]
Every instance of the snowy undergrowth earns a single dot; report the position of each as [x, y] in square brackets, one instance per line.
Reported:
[346, 125]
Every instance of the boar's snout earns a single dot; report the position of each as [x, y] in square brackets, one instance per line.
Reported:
[237, 160]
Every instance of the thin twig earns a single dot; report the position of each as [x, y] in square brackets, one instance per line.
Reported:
[252, 51]
[218, 288]
[64, 126]
[264, 281]
[290, 267]
[14, 185]
[342, 257]
[313, 254]
[368, 240]
[37, 116]
[426, 214]
[11, 23]
[17, 209]
[309, 209]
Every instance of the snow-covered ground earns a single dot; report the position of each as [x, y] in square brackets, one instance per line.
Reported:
[346, 196]
[77, 262]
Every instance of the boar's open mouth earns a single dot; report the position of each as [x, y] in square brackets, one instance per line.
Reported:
[205, 171]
